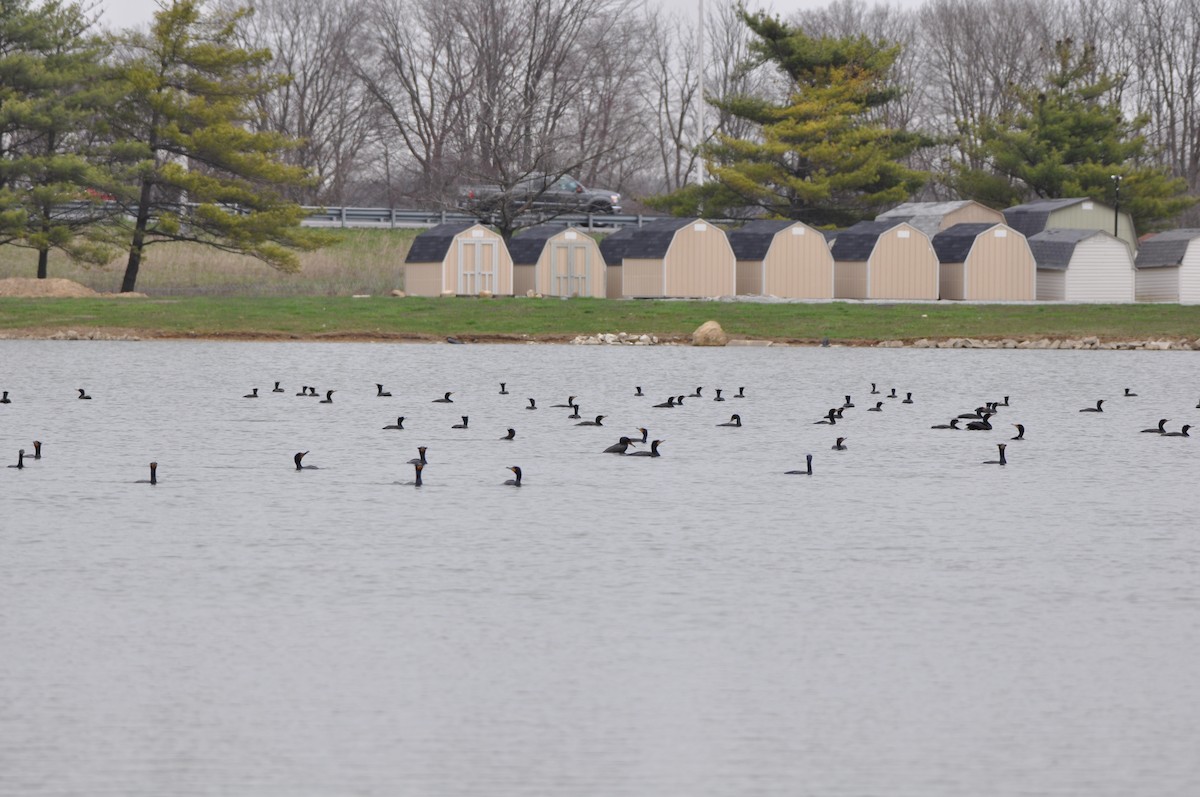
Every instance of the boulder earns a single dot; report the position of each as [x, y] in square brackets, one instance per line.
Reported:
[485, 294]
[709, 334]
[399, 294]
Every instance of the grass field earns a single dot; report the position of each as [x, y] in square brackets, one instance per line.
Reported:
[554, 318]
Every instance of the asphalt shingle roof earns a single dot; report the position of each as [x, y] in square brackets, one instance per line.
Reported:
[925, 216]
[432, 245]
[651, 241]
[1031, 218]
[954, 244]
[751, 241]
[526, 247]
[856, 243]
[1054, 248]
[612, 248]
[1166, 248]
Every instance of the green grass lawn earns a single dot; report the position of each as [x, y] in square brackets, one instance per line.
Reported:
[550, 318]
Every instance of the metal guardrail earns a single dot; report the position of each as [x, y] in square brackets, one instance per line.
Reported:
[394, 218]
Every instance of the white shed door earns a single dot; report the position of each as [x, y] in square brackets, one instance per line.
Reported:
[477, 262]
[570, 269]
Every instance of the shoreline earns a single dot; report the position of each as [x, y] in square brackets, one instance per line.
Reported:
[1039, 343]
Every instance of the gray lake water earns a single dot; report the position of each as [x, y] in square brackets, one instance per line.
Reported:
[907, 621]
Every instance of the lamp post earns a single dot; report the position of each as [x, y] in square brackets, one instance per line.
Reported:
[1116, 178]
[700, 109]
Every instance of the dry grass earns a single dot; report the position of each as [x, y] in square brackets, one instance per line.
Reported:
[358, 262]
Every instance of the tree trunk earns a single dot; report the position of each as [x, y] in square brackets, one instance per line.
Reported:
[43, 261]
[129, 283]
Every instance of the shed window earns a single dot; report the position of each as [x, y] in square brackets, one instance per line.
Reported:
[1001, 233]
[476, 233]
[798, 231]
[1088, 205]
[902, 233]
[699, 227]
[571, 236]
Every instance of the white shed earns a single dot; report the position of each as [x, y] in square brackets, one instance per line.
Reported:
[1168, 267]
[1082, 266]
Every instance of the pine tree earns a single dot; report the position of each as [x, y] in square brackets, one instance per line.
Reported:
[194, 170]
[1070, 138]
[818, 157]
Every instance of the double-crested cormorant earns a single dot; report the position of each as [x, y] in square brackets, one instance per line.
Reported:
[596, 422]
[734, 420]
[252, 394]
[696, 394]
[976, 415]
[808, 472]
[5, 399]
[20, 460]
[444, 399]
[907, 399]
[277, 388]
[312, 392]
[462, 425]
[637, 391]
[1181, 433]
[1096, 408]
[570, 403]
[892, 394]
[153, 475]
[417, 468]
[421, 459]
[1160, 429]
[83, 394]
[37, 449]
[380, 392]
[877, 408]
[503, 389]
[1000, 403]
[874, 390]
[645, 434]
[1020, 427]
[848, 404]
[532, 405]
[512, 433]
[840, 445]
[718, 397]
[303, 390]
[328, 397]
[299, 465]
[516, 472]
[679, 400]
[653, 452]
[952, 425]
[981, 425]
[670, 402]
[1002, 460]
[741, 393]
[1130, 394]
[619, 447]
[575, 414]
[830, 418]
[399, 424]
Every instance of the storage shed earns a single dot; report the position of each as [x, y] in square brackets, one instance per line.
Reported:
[1078, 213]
[933, 217]
[884, 260]
[985, 262]
[678, 258]
[557, 261]
[463, 259]
[612, 250]
[1082, 266]
[1168, 268]
[787, 259]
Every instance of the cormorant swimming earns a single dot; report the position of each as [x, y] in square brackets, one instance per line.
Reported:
[20, 460]
[981, 425]
[380, 392]
[1002, 460]
[874, 390]
[1096, 408]
[718, 396]
[399, 424]
[517, 472]
[893, 394]
[1181, 433]
[328, 397]
[596, 422]
[153, 475]
[952, 425]
[299, 466]
[1020, 427]
[83, 394]
[907, 399]
[421, 459]
[696, 394]
[619, 447]
[670, 402]
[1129, 393]
[417, 468]
[575, 415]
[462, 425]
[1161, 429]
[277, 388]
[829, 419]
[503, 389]
[5, 399]
[653, 452]
[645, 434]
[532, 405]
[848, 404]
[512, 433]
[638, 392]
[444, 399]
[734, 420]
[303, 390]
[252, 394]
[840, 445]
[808, 472]
[741, 393]
[877, 408]
[570, 403]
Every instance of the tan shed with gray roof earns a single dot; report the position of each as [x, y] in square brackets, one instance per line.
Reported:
[557, 261]
[1168, 268]
[1082, 266]
[677, 258]
[461, 259]
[986, 262]
[787, 259]
[933, 217]
[884, 260]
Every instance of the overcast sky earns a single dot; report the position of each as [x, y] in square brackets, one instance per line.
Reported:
[125, 13]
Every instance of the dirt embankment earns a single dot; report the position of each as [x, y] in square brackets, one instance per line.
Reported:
[54, 288]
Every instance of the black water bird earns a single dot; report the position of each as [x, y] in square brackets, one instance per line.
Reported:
[1096, 408]
[734, 420]
[1181, 433]
[976, 415]
[312, 392]
[83, 394]
[512, 434]
[619, 447]
[399, 424]
[840, 445]
[417, 468]
[37, 449]
[807, 472]
[516, 472]
[848, 404]
[299, 465]
[303, 390]
[670, 402]
[328, 397]
[5, 399]
[277, 388]
[830, 418]
[1000, 403]
[1002, 460]
[532, 405]
[462, 425]
[420, 459]
[718, 396]
[570, 403]
[741, 393]
[679, 400]
[20, 460]
[952, 425]
[874, 390]
[1130, 394]
[380, 392]
[1160, 429]
[981, 425]
[877, 408]
[892, 394]
[503, 389]
[153, 475]
[907, 399]
[596, 422]
[653, 452]
[575, 414]
[696, 394]
[252, 394]
[1020, 427]
[444, 399]
[645, 434]
[637, 391]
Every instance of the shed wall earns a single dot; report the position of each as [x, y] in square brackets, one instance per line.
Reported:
[950, 282]
[700, 262]
[972, 213]
[423, 279]
[850, 280]
[1000, 268]
[571, 265]
[613, 278]
[749, 277]
[1051, 285]
[798, 265]
[1101, 270]
[1157, 284]
[1098, 217]
[903, 267]
[1189, 275]
[642, 279]
[478, 239]
[523, 279]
